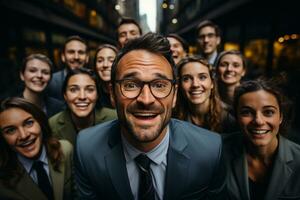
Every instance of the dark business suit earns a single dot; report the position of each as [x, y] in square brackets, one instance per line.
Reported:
[62, 182]
[54, 89]
[285, 177]
[194, 169]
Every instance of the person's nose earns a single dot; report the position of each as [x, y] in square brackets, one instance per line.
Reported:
[39, 74]
[82, 94]
[106, 63]
[76, 55]
[230, 67]
[23, 133]
[195, 82]
[259, 119]
[146, 97]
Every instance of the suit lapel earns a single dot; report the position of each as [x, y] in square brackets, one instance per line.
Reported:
[27, 188]
[281, 172]
[240, 170]
[57, 180]
[66, 127]
[177, 164]
[116, 165]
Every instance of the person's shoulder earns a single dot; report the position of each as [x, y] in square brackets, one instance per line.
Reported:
[292, 146]
[194, 134]
[66, 147]
[57, 117]
[191, 129]
[107, 113]
[97, 132]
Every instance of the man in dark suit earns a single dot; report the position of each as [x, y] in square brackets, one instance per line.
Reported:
[208, 40]
[145, 154]
[74, 55]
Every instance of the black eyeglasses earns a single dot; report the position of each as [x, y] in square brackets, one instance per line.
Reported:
[160, 88]
[209, 35]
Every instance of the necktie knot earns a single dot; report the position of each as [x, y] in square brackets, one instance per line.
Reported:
[143, 161]
[38, 166]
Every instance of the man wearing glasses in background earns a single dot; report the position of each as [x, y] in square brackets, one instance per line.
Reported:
[208, 38]
[145, 154]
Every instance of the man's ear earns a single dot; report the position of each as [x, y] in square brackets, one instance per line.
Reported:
[218, 40]
[111, 95]
[87, 59]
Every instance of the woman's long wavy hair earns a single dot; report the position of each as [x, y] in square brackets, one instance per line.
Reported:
[9, 165]
[213, 119]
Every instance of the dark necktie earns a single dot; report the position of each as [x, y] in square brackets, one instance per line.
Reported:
[146, 189]
[43, 180]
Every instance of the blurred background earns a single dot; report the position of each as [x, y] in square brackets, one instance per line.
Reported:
[266, 31]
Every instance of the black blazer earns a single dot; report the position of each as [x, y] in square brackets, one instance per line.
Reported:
[285, 177]
[194, 166]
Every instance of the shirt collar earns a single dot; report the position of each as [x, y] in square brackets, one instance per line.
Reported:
[27, 162]
[158, 155]
[212, 58]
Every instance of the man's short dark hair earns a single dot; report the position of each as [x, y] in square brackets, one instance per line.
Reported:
[77, 38]
[210, 24]
[151, 42]
[181, 40]
[127, 20]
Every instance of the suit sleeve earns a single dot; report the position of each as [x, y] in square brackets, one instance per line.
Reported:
[84, 186]
[217, 188]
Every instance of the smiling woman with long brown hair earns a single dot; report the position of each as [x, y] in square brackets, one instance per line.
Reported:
[33, 164]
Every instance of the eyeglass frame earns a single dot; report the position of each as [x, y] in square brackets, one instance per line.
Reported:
[172, 81]
[209, 36]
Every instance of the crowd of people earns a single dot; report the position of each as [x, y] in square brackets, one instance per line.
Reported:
[149, 121]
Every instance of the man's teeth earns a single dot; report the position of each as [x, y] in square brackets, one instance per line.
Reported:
[145, 114]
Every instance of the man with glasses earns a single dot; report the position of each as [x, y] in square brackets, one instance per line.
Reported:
[145, 154]
[208, 38]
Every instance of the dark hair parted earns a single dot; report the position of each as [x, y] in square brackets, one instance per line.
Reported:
[128, 20]
[231, 52]
[104, 46]
[75, 38]
[181, 40]
[209, 23]
[77, 71]
[271, 86]
[214, 117]
[151, 42]
[8, 159]
[37, 56]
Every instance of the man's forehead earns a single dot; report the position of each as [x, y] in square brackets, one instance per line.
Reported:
[127, 27]
[73, 43]
[207, 29]
[144, 61]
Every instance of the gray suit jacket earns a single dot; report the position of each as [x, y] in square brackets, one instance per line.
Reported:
[285, 177]
[62, 182]
[194, 168]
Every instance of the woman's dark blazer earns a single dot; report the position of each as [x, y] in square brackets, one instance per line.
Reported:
[285, 177]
